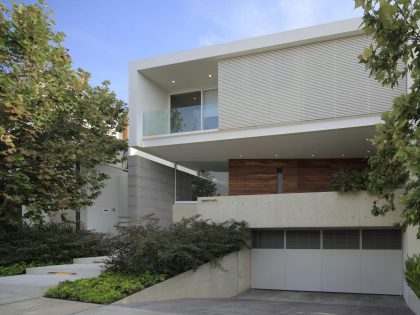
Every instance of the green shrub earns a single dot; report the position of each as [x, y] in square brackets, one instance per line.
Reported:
[350, 180]
[105, 289]
[20, 268]
[180, 247]
[412, 273]
[51, 242]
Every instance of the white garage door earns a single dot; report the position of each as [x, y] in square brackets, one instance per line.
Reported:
[331, 260]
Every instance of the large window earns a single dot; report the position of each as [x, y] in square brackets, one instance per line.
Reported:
[186, 112]
[194, 111]
[192, 183]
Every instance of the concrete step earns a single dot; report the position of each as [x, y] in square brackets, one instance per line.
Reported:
[32, 285]
[85, 270]
[90, 260]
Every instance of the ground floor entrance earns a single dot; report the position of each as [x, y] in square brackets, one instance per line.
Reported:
[330, 260]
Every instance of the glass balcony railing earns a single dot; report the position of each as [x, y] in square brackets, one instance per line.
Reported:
[181, 119]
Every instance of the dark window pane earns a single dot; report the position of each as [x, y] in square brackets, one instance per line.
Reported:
[186, 112]
[303, 239]
[268, 239]
[381, 239]
[341, 239]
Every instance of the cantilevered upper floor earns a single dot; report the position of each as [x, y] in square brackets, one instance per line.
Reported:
[267, 92]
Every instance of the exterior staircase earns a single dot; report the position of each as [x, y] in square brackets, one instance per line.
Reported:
[38, 280]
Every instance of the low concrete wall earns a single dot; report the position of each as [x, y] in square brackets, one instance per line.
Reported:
[206, 282]
[411, 246]
[318, 209]
[183, 210]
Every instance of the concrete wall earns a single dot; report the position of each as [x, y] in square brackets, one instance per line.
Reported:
[206, 282]
[151, 189]
[319, 209]
[111, 206]
[144, 92]
[411, 246]
[183, 210]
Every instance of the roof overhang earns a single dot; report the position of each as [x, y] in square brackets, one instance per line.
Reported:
[190, 68]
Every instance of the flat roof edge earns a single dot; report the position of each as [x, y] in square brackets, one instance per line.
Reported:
[297, 37]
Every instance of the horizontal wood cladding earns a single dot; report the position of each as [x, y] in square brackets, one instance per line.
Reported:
[255, 177]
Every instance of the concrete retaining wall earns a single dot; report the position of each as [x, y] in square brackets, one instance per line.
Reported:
[183, 210]
[318, 209]
[206, 282]
[411, 246]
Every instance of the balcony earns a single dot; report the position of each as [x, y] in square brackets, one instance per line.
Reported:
[187, 118]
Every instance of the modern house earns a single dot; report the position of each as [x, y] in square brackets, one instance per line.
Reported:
[253, 130]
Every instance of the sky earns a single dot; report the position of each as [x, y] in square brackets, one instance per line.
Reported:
[104, 35]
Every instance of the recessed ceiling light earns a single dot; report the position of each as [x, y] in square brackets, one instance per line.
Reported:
[367, 139]
[210, 75]
[276, 155]
[342, 154]
[173, 81]
[240, 155]
[312, 155]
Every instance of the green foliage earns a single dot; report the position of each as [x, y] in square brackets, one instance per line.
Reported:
[350, 180]
[412, 273]
[203, 187]
[393, 56]
[105, 289]
[49, 243]
[182, 246]
[20, 267]
[51, 120]
[176, 121]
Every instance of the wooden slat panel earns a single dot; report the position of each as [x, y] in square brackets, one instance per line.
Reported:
[254, 177]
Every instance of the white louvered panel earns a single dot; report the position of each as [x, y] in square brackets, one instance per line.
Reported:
[318, 86]
[316, 81]
[286, 98]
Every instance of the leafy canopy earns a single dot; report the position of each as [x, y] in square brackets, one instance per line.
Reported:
[54, 127]
[394, 56]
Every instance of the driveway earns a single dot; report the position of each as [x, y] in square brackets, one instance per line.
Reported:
[258, 302]
[253, 302]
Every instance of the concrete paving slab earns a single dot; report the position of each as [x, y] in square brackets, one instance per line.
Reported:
[44, 306]
[264, 307]
[113, 310]
[323, 297]
[7, 298]
[32, 285]
[87, 270]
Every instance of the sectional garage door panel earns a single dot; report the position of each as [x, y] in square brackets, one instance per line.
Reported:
[341, 271]
[340, 260]
[268, 269]
[381, 271]
[303, 270]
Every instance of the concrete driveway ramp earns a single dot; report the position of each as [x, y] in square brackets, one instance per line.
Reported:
[32, 285]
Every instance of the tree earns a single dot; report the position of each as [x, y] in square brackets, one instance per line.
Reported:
[54, 127]
[203, 186]
[394, 56]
